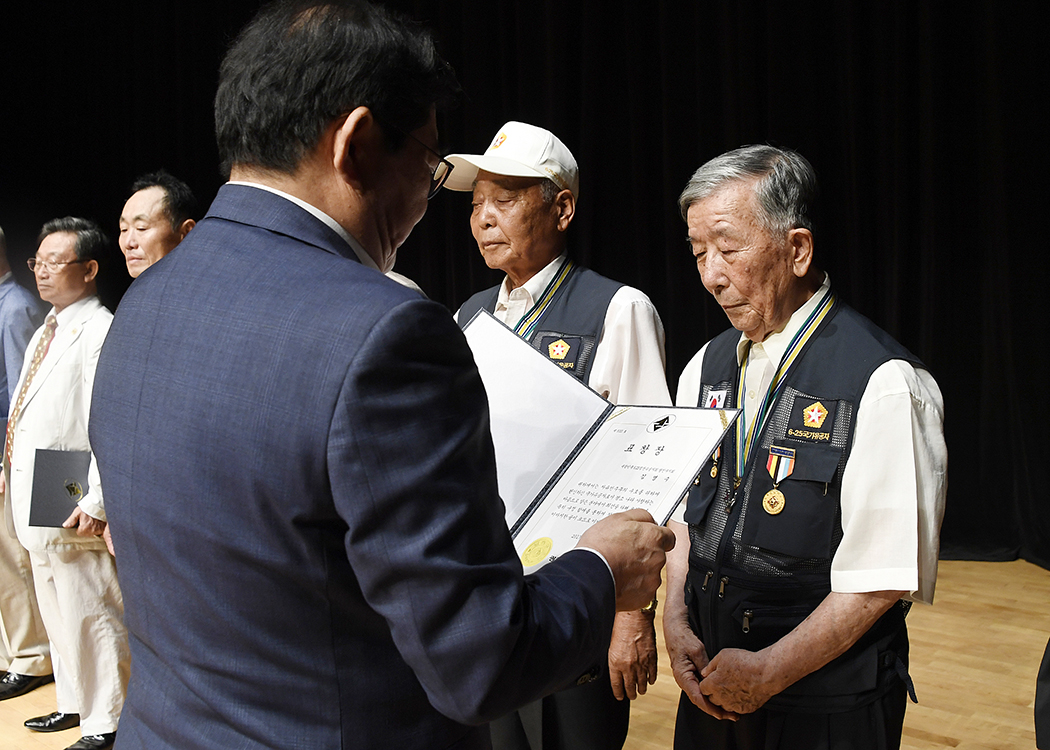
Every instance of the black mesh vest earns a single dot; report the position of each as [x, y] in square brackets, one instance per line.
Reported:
[755, 575]
[570, 327]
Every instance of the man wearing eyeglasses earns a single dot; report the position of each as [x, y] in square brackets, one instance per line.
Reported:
[608, 335]
[295, 449]
[76, 579]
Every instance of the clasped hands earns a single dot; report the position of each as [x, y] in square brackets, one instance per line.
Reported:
[734, 682]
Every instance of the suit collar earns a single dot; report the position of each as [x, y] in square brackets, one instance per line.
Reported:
[70, 325]
[255, 206]
[76, 313]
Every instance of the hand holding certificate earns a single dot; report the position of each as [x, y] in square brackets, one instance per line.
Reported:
[566, 457]
[635, 549]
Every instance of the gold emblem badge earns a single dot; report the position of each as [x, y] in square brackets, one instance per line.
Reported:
[773, 502]
[814, 415]
[558, 349]
[74, 489]
[535, 553]
[498, 140]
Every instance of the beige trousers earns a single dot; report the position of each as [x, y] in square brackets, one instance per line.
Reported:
[83, 611]
[23, 640]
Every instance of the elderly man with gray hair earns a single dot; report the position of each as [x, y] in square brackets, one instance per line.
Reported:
[816, 523]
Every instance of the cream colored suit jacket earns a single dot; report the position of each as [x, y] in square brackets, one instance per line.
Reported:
[55, 415]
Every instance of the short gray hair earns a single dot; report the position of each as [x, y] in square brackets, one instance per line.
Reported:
[549, 190]
[785, 184]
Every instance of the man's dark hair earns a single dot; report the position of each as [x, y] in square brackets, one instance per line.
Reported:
[91, 240]
[300, 65]
[179, 202]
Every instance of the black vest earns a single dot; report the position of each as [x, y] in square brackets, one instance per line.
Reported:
[755, 575]
[570, 327]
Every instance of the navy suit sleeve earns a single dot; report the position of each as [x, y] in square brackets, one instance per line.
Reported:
[413, 475]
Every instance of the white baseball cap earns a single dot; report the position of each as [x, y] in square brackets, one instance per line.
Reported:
[518, 150]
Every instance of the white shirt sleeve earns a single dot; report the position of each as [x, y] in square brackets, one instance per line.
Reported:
[628, 366]
[893, 487]
[688, 395]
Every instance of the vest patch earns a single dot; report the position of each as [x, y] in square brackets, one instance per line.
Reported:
[563, 351]
[812, 421]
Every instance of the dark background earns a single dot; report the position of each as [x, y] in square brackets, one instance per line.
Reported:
[923, 121]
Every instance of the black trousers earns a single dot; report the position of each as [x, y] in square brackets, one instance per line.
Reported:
[586, 717]
[876, 726]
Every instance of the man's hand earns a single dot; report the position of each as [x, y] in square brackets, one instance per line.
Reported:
[688, 657]
[737, 680]
[84, 524]
[636, 550]
[632, 654]
[3, 481]
[742, 681]
[107, 537]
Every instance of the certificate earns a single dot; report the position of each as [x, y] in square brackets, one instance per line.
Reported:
[566, 457]
[639, 457]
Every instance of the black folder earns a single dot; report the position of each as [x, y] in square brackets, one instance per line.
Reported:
[60, 479]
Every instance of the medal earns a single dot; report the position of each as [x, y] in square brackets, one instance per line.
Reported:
[780, 465]
[773, 502]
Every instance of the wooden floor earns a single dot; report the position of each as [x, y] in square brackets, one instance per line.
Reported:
[975, 655]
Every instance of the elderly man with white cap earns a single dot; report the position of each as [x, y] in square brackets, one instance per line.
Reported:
[608, 335]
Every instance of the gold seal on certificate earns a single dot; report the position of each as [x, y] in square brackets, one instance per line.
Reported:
[536, 552]
[773, 502]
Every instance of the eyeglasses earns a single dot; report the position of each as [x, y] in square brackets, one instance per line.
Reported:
[441, 171]
[52, 266]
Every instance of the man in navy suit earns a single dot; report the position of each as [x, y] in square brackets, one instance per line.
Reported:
[295, 449]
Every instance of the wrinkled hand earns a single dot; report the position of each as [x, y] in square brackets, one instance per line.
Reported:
[688, 658]
[107, 537]
[737, 680]
[632, 654]
[84, 524]
[636, 550]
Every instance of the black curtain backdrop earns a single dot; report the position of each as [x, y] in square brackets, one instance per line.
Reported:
[922, 120]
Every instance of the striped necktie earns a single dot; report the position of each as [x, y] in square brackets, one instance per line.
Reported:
[38, 356]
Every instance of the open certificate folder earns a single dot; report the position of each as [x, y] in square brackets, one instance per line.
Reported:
[566, 457]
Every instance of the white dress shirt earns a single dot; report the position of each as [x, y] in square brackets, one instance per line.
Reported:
[893, 486]
[628, 366]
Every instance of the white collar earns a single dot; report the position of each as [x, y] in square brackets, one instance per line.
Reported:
[70, 312]
[534, 286]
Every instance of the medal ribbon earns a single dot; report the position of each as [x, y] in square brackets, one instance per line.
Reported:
[802, 336]
[527, 325]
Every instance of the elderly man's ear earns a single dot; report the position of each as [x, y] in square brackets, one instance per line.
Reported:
[801, 243]
[565, 205]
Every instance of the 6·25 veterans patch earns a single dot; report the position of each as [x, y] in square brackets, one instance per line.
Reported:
[812, 421]
[562, 350]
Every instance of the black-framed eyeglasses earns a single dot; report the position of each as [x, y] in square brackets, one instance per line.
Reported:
[52, 266]
[441, 171]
